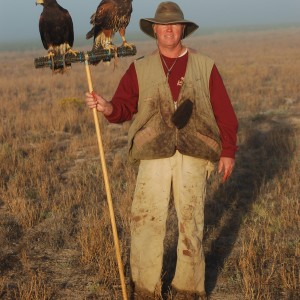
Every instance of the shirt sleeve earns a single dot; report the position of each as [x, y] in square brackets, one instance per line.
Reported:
[224, 114]
[125, 99]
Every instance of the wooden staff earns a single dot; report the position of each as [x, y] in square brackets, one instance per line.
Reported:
[106, 182]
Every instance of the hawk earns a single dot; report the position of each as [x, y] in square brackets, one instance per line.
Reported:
[56, 28]
[111, 16]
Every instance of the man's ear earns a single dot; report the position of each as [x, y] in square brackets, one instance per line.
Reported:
[183, 31]
[154, 31]
[153, 27]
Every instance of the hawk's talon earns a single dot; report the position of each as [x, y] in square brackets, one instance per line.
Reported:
[128, 45]
[71, 51]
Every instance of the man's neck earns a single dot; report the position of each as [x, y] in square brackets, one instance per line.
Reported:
[173, 52]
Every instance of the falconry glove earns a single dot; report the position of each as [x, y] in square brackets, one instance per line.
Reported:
[182, 114]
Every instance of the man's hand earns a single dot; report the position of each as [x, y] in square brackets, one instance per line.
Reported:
[226, 165]
[93, 100]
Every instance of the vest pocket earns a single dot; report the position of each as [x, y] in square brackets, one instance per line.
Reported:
[151, 143]
[144, 136]
[211, 143]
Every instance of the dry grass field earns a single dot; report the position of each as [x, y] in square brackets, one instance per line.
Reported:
[55, 231]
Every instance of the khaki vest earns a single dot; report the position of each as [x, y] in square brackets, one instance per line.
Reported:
[152, 134]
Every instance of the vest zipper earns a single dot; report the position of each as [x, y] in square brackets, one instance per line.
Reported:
[176, 129]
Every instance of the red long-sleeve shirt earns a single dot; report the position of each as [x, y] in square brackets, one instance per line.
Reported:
[125, 100]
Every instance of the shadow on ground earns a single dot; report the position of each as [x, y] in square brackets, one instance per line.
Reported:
[264, 153]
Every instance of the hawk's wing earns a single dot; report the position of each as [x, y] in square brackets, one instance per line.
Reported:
[43, 32]
[69, 28]
[103, 18]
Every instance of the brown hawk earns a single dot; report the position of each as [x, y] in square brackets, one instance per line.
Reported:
[111, 16]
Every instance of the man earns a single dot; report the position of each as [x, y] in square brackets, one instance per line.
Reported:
[183, 123]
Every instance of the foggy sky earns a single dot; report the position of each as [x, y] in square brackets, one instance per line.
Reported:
[19, 18]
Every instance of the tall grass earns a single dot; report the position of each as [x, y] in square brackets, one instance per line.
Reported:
[54, 223]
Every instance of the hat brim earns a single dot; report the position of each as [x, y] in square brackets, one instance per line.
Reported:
[146, 26]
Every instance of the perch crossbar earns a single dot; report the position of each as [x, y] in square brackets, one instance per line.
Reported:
[59, 61]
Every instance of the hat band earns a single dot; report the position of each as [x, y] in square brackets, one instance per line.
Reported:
[168, 17]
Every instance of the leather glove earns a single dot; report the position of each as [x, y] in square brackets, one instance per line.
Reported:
[182, 114]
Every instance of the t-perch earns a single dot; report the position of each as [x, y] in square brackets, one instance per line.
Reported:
[92, 57]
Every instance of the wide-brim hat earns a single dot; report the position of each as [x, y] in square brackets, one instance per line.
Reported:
[167, 13]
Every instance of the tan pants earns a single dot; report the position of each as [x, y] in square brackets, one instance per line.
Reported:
[188, 176]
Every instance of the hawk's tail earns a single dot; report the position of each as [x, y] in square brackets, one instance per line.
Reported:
[90, 34]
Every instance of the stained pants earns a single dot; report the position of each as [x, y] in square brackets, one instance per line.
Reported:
[188, 176]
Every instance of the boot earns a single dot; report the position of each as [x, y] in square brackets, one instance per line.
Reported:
[186, 295]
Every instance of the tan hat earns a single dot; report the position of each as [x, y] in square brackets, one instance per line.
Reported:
[167, 13]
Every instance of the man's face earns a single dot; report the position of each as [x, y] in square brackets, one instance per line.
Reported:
[168, 35]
